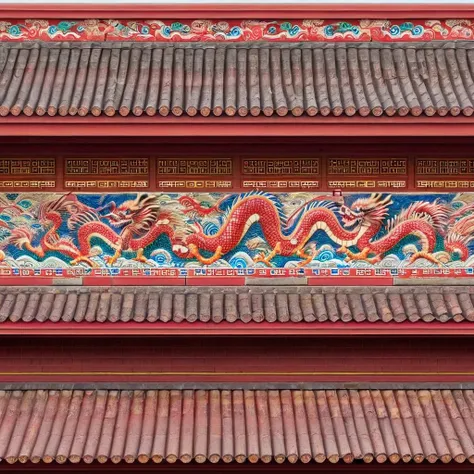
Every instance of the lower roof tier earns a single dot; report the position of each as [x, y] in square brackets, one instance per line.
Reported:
[236, 425]
[312, 305]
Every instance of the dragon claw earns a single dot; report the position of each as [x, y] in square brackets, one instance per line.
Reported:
[261, 258]
[194, 251]
[363, 255]
[140, 257]
[308, 258]
[110, 260]
[427, 256]
[266, 259]
[85, 259]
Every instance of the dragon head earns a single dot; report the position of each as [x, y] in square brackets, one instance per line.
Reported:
[137, 215]
[366, 211]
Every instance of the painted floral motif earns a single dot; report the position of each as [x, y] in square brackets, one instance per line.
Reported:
[45, 30]
[234, 31]
[249, 230]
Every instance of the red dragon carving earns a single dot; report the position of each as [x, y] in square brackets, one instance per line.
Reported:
[460, 232]
[261, 208]
[421, 219]
[362, 222]
[140, 222]
[50, 216]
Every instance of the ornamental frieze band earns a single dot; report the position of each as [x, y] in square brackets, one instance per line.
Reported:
[255, 229]
[235, 31]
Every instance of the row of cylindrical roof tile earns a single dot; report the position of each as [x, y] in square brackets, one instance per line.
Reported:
[82, 79]
[231, 305]
[237, 425]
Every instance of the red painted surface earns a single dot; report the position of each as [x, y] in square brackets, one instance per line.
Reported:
[325, 468]
[215, 281]
[131, 281]
[351, 281]
[275, 127]
[264, 329]
[250, 147]
[240, 11]
[238, 156]
[226, 359]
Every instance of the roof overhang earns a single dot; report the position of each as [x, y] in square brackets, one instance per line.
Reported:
[185, 329]
[240, 311]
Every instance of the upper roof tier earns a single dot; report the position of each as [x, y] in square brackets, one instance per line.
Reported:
[217, 79]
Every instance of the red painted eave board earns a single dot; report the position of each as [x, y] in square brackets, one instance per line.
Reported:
[238, 11]
[237, 126]
[273, 467]
[236, 329]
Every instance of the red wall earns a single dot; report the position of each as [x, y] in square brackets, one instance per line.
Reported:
[224, 359]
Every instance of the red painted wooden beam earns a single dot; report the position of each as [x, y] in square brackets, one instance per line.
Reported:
[237, 127]
[238, 11]
[321, 378]
[325, 468]
[335, 329]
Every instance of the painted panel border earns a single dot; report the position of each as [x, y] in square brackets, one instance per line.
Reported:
[235, 30]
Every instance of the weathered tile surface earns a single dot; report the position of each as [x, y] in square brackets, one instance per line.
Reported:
[209, 79]
[247, 304]
[236, 425]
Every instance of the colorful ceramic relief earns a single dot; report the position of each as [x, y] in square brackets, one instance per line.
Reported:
[235, 31]
[252, 230]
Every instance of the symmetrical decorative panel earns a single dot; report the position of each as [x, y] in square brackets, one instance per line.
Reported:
[27, 166]
[288, 167]
[192, 167]
[106, 173]
[450, 167]
[367, 167]
[444, 173]
[108, 167]
[27, 173]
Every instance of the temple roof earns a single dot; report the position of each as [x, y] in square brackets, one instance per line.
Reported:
[111, 78]
[312, 305]
[237, 425]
